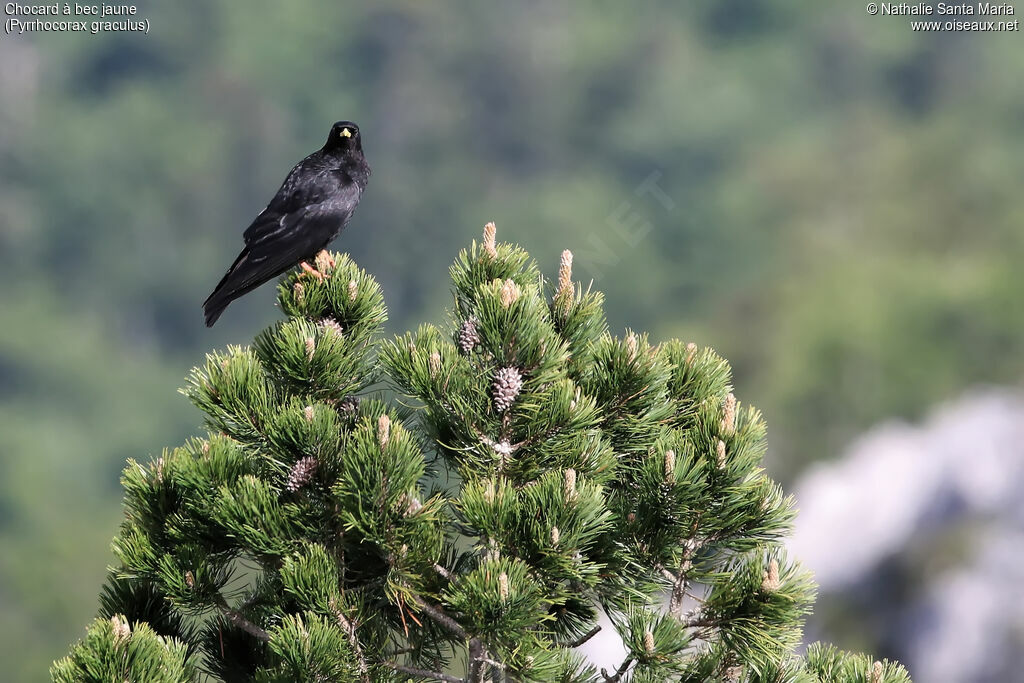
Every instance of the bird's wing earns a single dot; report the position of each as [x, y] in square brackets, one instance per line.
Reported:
[330, 189]
[279, 244]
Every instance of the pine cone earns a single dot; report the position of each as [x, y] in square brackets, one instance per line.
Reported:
[771, 582]
[510, 293]
[490, 233]
[332, 325]
[728, 427]
[649, 642]
[122, 630]
[469, 337]
[349, 406]
[302, 473]
[503, 586]
[508, 382]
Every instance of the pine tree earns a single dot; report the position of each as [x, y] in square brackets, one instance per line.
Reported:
[537, 471]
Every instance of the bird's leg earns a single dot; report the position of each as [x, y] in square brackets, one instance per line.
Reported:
[310, 270]
[324, 260]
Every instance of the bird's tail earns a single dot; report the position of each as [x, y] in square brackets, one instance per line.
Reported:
[248, 272]
[214, 306]
[224, 293]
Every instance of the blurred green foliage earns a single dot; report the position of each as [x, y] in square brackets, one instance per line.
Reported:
[845, 224]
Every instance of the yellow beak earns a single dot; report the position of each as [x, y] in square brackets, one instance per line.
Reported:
[346, 133]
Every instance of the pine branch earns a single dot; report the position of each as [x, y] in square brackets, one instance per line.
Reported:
[477, 653]
[350, 629]
[701, 622]
[476, 660]
[617, 676]
[236, 618]
[491, 662]
[675, 604]
[423, 673]
[438, 615]
[585, 637]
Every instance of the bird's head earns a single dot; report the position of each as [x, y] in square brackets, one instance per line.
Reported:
[344, 137]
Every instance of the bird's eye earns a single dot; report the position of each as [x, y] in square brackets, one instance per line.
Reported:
[345, 133]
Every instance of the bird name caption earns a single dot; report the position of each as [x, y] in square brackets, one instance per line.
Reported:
[72, 17]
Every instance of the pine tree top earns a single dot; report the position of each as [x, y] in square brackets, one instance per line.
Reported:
[536, 472]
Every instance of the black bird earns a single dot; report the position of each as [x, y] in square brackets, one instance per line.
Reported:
[315, 202]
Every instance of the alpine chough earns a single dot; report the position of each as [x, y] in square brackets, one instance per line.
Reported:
[315, 202]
